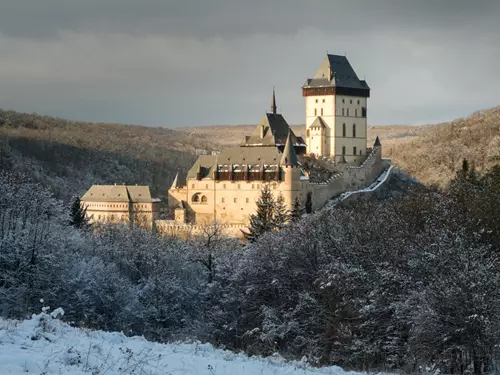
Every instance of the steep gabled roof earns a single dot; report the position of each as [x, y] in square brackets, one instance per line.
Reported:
[203, 165]
[117, 193]
[274, 129]
[336, 71]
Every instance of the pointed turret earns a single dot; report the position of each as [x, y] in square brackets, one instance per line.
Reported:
[377, 142]
[289, 157]
[273, 105]
[176, 181]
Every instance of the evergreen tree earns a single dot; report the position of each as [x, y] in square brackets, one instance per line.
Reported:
[281, 215]
[77, 214]
[295, 212]
[263, 220]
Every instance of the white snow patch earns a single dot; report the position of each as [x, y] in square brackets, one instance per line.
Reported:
[44, 345]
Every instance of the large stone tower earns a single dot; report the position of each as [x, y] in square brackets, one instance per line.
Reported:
[336, 111]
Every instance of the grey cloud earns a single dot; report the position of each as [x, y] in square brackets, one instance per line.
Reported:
[214, 62]
[35, 18]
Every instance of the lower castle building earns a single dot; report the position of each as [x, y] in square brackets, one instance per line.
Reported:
[121, 204]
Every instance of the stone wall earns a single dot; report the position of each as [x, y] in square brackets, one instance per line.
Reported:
[186, 231]
[352, 178]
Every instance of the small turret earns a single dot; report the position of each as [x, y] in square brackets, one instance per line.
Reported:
[289, 157]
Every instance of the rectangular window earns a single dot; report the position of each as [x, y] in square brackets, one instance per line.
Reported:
[223, 200]
[192, 186]
[354, 151]
[315, 111]
[235, 200]
[239, 186]
[224, 186]
[358, 102]
[323, 100]
[321, 111]
[355, 113]
[253, 186]
[343, 150]
[247, 200]
[206, 186]
[343, 101]
[347, 111]
[342, 111]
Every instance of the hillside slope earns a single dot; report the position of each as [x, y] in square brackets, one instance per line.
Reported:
[70, 156]
[434, 155]
[49, 346]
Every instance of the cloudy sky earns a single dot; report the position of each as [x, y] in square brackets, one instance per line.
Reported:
[202, 62]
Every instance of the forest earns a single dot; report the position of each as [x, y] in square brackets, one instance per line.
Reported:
[408, 283]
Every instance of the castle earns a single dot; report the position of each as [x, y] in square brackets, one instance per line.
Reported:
[224, 187]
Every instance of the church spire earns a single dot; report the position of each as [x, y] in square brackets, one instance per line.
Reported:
[273, 106]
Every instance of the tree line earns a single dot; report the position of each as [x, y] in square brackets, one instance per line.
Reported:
[410, 284]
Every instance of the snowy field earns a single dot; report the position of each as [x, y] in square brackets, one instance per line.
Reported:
[44, 345]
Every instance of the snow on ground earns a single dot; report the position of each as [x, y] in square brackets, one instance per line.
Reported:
[45, 345]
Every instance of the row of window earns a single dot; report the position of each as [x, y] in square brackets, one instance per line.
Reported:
[344, 131]
[224, 186]
[345, 112]
[343, 101]
[199, 198]
[115, 205]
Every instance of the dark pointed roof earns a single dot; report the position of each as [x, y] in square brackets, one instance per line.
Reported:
[377, 142]
[275, 130]
[289, 157]
[336, 71]
[273, 105]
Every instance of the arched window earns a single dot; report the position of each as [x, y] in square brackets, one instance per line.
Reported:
[343, 130]
[196, 198]
[354, 130]
[204, 199]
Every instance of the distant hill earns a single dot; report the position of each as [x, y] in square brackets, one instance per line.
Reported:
[435, 152]
[70, 156]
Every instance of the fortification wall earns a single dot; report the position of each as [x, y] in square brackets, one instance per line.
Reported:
[352, 178]
[186, 231]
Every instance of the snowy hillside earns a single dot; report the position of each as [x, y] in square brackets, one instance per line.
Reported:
[45, 345]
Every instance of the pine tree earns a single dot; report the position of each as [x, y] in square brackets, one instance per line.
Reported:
[77, 214]
[263, 220]
[295, 212]
[281, 215]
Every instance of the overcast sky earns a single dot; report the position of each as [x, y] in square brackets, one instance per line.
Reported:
[202, 62]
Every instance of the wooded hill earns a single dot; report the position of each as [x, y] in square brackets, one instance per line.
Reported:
[70, 156]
